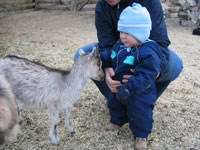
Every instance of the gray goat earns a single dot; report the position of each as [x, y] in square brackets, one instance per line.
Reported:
[8, 113]
[36, 86]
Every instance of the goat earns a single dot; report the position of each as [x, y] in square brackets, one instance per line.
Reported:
[8, 113]
[35, 85]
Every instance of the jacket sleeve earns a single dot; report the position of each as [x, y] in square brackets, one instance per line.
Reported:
[105, 57]
[159, 29]
[105, 25]
[145, 72]
[105, 54]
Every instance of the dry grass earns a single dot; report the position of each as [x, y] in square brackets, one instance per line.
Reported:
[51, 37]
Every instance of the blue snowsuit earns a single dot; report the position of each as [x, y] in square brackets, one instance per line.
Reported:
[145, 59]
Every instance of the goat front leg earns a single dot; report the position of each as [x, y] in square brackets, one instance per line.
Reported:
[67, 112]
[54, 120]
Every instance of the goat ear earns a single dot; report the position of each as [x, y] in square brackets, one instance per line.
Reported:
[82, 52]
[95, 52]
[96, 56]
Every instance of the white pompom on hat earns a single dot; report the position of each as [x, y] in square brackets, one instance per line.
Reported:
[135, 21]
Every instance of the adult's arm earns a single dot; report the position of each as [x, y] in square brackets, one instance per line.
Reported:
[159, 29]
[106, 25]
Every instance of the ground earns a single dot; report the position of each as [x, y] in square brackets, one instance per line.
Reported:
[51, 37]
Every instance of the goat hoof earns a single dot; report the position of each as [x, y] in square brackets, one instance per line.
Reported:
[54, 140]
[29, 121]
[72, 133]
[70, 130]
[55, 143]
[20, 120]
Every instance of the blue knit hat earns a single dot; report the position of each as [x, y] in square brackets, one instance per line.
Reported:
[135, 21]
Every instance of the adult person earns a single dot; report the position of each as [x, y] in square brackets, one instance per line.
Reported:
[106, 17]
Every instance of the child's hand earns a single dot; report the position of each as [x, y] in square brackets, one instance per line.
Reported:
[123, 93]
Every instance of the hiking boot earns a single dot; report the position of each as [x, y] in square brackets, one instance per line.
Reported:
[111, 126]
[141, 143]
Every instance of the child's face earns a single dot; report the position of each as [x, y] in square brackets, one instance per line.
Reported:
[128, 39]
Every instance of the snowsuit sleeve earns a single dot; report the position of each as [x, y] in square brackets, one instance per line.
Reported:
[145, 72]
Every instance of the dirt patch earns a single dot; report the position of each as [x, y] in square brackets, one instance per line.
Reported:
[51, 37]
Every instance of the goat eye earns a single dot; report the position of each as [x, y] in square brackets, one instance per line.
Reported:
[98, 61]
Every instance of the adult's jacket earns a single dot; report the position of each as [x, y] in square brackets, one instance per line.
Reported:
[106, 18]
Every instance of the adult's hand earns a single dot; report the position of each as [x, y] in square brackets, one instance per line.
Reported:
[112, 84]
